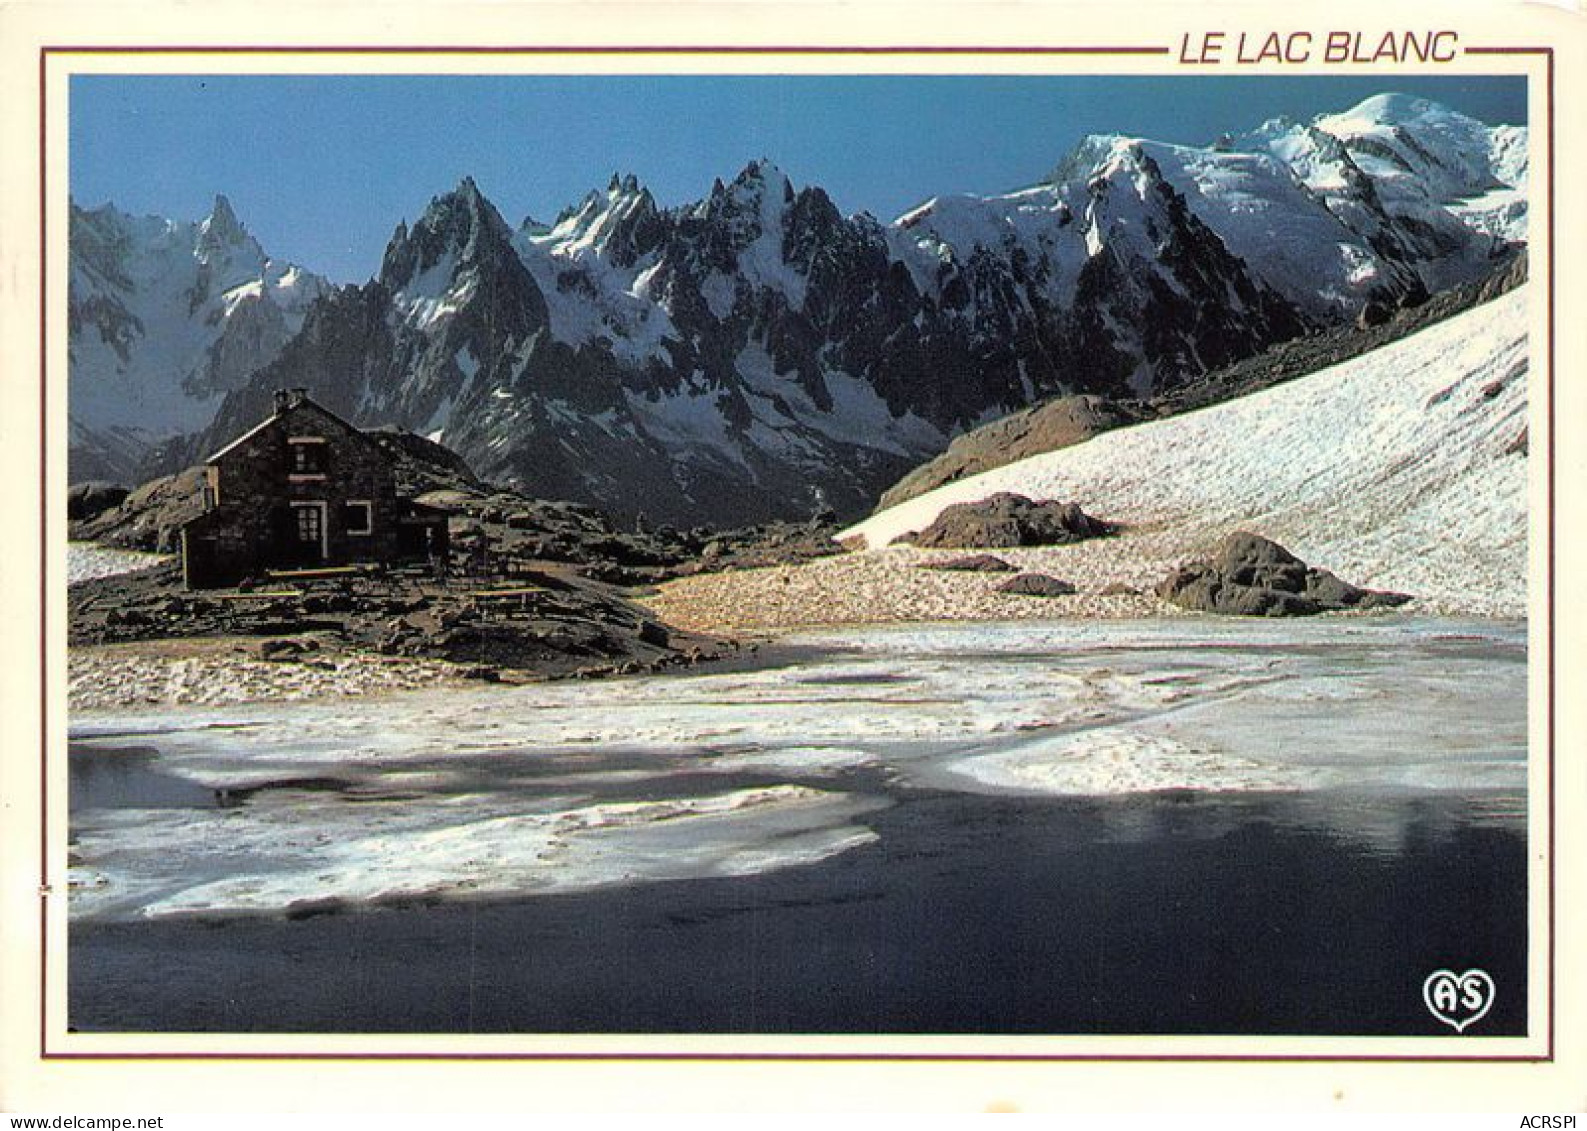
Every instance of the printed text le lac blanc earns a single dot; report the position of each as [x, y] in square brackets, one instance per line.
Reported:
[1218, 48]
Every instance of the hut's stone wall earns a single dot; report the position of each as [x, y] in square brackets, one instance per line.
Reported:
[303, 489]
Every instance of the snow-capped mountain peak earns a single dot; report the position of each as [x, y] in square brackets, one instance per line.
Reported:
[167, 317]
[713, 361]
[763, 173]
[1399, 135]
[221, 228]
[621, 222]
[1419, 166]
[1091, 156]
[753, 201]
[458, 228]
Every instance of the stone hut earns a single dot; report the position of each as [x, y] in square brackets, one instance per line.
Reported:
[303, 489]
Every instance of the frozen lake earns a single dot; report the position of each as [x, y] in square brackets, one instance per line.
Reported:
[930, 828]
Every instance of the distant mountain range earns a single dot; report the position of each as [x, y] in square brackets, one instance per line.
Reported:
[758, 354]
[164, 320]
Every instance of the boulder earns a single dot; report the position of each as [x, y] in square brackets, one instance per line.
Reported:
[86, 500]
[1006, 519]
[975, 563]
[1047, 427]
[1249, 575]
[285, 649]
[1037, 585]
[1373, 313]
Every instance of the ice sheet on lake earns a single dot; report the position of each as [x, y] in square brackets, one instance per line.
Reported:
[88, 560]
[520, 790]
[1119, 760]
[295, 848]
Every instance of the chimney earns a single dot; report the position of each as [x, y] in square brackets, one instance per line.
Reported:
[289, 398]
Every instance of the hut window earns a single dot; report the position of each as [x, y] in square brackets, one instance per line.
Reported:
[308, 455]
[358, 517]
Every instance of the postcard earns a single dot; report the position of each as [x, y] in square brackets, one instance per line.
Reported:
[622, 555]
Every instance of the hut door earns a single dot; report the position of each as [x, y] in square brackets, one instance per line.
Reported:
[308, 529]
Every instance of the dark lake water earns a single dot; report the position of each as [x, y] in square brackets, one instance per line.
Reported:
[1154, 828]
[971, 914]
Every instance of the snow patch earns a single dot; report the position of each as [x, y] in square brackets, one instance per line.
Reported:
[88, 560]
[1115, 761]
[1392, 469]
[465, 846]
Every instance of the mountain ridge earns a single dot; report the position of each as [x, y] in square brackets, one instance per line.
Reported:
[756, 354]
[164, 319]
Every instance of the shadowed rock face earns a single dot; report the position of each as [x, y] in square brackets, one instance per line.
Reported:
[1252, 576]
[1071, 420]
[85, 500]
[1006, 519]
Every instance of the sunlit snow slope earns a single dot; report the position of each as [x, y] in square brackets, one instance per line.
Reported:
[1403, 469]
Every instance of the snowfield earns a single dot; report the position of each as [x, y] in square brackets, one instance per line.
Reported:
[88, 560]
[1395, 470]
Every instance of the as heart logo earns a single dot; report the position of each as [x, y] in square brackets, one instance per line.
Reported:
[1458, 1000]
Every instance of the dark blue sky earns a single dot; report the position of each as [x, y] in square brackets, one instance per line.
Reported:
[321, 168]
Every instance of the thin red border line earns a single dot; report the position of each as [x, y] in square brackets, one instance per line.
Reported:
[45, 1054]
[1548, 54]
[682, 49]
[44, 543]
[847, 1058]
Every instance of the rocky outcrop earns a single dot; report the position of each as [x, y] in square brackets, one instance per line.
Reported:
[976, 563]
[1249, 575]
[150, 518]
[422, 465]
[767, 544]
[545, 623]
[85, 500]
[1045, 428]
[1006, 519]
[1037, 585]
